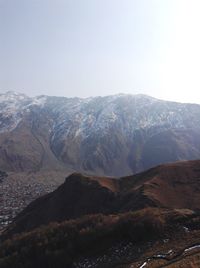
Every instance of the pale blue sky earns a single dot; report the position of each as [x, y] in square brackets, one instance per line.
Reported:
[101, 47]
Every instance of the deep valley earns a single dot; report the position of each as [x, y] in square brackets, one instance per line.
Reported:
[105, 182]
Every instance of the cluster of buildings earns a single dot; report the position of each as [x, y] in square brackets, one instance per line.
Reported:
[16, 194]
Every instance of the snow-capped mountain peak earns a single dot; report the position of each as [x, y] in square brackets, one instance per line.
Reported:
[112, 135]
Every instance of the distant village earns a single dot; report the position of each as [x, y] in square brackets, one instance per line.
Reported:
[16, 194]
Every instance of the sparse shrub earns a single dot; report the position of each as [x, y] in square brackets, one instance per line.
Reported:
[58, 245]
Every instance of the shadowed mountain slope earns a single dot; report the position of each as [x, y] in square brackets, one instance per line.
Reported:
[125, 240]
[173, 185]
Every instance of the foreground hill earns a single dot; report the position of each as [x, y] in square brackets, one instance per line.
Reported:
[150, 237]
[174, 186]
[150, 219]
[113, 136]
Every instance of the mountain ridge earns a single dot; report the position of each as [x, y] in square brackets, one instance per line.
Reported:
[172, 186]
[149, 219]
[108, 136]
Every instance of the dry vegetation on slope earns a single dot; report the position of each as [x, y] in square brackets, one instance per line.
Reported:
[169, 186]
[131, 222]
[65, 244]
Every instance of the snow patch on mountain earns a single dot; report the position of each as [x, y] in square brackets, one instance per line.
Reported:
[82, 117]
[38, 101]
[13, 107]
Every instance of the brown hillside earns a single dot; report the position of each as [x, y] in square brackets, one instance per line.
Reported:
[171, 186]
[174, 185]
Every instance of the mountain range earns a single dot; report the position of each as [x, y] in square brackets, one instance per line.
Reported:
[115, 135]
[130, 198]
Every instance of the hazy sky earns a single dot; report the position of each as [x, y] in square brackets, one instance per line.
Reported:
[101, 47]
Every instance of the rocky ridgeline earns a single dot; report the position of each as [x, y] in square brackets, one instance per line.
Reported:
[113, 135]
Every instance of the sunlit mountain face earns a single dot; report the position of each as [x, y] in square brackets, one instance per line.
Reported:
[114, 135]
